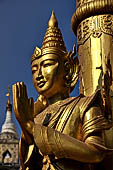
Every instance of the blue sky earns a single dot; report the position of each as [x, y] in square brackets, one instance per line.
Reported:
[23, 24]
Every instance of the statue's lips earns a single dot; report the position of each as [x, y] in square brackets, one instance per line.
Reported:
[41, 83]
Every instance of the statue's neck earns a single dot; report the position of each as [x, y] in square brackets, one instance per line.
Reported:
[57, 98]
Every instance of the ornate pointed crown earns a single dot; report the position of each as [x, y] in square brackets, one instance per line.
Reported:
[53, 42]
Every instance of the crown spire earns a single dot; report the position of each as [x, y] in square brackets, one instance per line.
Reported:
[53, 21]
[53, 42]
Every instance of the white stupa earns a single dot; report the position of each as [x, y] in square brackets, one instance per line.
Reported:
[9, 126]
[9, 142]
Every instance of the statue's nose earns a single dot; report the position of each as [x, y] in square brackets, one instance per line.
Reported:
[39, 73]
[39, 77]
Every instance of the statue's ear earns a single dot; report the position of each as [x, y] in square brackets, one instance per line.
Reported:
[72, 69]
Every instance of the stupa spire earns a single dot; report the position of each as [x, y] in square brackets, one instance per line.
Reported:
[9, 105]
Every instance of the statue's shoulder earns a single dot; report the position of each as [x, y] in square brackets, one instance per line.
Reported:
[69, 101]
[82, 102]
[86, 102]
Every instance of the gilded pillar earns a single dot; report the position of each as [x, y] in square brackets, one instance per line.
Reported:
[92, 22]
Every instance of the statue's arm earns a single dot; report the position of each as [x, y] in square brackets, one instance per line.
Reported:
[91, 150]
[25, 110]
[94, 124]
[29, 156]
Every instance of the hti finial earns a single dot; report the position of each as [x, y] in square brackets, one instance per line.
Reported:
[8, 95]
[53, 21]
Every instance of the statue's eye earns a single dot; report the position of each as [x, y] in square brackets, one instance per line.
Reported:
[34, 69]
[47, 64]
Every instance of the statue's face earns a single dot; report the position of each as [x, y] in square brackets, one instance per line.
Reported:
[48, 75]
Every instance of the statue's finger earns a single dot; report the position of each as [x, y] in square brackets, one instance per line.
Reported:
[25, 91]
[18, 89]
[31, 101]
[15, 96]
[21, 89]
[14, 93]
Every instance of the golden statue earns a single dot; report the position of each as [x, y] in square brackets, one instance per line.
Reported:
[59, 132]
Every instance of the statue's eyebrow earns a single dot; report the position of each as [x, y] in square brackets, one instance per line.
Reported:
[34, 65]
[41, 63]
[48, 60]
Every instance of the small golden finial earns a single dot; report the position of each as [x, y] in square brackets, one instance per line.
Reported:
[53, 21]
[8, 95]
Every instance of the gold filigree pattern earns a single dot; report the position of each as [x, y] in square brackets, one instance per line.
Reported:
[107, 24]
[81, 2]
[90, 8]
[95, 26]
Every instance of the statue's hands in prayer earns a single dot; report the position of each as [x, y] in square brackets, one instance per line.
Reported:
[23, 107]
